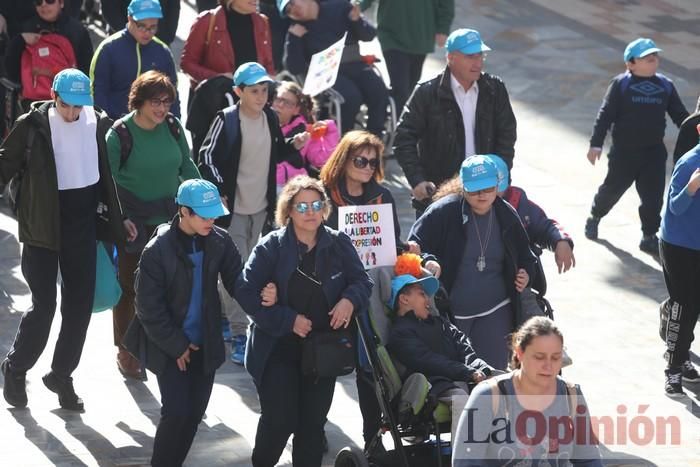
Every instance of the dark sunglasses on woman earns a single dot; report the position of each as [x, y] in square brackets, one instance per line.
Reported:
[40, 2]
[302, 207]
[361, 162]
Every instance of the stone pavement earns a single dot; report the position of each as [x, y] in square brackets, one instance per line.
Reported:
[556, 59]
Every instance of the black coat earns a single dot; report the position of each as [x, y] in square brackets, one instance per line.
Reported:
[435, 348]
[163, 289]
[429, 142]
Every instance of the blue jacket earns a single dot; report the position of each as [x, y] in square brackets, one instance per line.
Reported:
[274, 259]
[681, 214]
[442, 231]
[118, 61]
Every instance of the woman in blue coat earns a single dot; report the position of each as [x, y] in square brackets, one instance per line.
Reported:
[321, 284]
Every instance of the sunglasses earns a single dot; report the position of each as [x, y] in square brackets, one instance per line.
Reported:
[361, 162]
[155, 103]
[40, 2]
[316, 206]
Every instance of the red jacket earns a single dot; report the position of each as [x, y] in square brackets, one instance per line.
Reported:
[204, 57]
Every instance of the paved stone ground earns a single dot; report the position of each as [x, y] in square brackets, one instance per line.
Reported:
[556, 59]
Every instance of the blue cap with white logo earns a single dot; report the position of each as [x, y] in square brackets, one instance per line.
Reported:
[250, 73]
[639, 48]
[429, 283]
[202, 197]
[478, 173]
[502, 168]
[73, 87]
[281, 5]
[466, 41]
[145, 9]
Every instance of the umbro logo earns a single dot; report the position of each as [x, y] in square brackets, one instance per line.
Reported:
[647, 88]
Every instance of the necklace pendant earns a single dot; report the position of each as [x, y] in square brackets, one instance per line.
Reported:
[481, 263]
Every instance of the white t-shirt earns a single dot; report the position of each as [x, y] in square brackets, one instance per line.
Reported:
[466, 100]
[75, 149]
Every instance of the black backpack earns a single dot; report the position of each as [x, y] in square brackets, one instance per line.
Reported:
[126, 141]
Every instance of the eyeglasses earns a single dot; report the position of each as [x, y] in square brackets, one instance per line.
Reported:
[361, 162]
[40, 2]
[485, 191]
[142, 27]
[316, 206]
[155, 103]
[284, 102]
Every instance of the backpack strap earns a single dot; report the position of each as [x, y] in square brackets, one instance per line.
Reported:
[210, 29]
[126, 142]
[173, 126]
[572, 396]
[231, 126]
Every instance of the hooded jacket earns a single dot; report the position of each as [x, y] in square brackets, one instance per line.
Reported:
[38, 212]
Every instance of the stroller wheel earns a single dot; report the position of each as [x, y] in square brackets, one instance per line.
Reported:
[351, 457]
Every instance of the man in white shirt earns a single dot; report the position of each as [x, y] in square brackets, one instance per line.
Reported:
[461, 112]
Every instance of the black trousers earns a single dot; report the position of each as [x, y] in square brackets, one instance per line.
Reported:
[681, 272]
[646, 168]
[404, 70]
[359, 83]
[291, 403]
[76, 258]
[184, 397]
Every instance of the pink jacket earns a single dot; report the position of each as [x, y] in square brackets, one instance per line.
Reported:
[314, 154]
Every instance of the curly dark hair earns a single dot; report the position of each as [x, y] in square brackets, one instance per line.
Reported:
[150, 85]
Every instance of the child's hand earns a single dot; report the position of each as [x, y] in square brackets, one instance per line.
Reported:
[693, 183]
[434, 268]
[478, 376]
[564, 256]
[269, 294]
[594, 155]
[299, 140]
[521, 280]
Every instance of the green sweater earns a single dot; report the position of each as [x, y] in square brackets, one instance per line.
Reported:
[157, 163]
[410, 25]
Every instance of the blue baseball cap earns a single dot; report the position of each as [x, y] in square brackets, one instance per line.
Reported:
[502, 168]
[429, 284]
[639, 48]
[144, 9]
[478, 173]
[251, 73]
[466, 41]
[202, 197]
[281, 5]
[73, 87]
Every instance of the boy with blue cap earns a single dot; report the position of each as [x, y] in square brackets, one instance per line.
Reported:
[635, 105]
[126, 54]
[240, 155]
[483, 250]
[58, 151]
[461, 112]
[430, 344]
[176, 332]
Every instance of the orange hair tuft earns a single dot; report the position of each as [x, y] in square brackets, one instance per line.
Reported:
[408, 263]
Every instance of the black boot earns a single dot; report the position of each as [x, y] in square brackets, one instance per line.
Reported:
[63, 386]
[15, 387]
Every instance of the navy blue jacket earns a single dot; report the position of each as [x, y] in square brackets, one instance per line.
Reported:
[636, 109]
[442, 232]
[118, 61]
[435, 348]
[163, 288]
[274, 259]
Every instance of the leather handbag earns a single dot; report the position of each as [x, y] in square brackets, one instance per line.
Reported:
[328, 354]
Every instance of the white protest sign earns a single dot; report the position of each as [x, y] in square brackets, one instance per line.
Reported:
[371, 229]
[323, 69]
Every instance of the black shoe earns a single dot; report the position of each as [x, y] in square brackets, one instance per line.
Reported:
[63, 386]
[591, 229]
[15, 387]
[649, 244]
[674, 386]
[690, 374]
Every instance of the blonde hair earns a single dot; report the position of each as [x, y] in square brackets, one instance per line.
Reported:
[536, 326]
[293, 187]
[349, 146]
